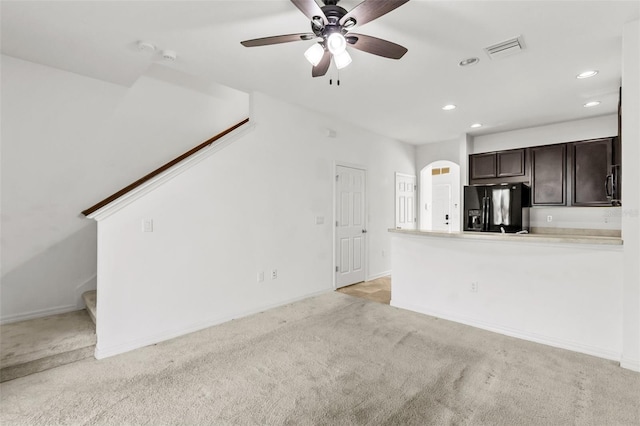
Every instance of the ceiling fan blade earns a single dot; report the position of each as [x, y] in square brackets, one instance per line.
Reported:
[369, 10]
[265, 41]
[376, 46]
[323, 66]
[310, 9]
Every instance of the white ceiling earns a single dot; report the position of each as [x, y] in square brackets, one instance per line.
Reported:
[401, 99]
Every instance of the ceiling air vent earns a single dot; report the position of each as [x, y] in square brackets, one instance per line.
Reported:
[505, 48]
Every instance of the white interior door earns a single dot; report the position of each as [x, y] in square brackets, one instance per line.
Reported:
[350, 226]
[405, 201]
[441, 217]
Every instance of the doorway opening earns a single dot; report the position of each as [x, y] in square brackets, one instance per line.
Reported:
[440, 197]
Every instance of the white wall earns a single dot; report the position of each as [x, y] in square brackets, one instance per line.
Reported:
[631, 193]
[69, 141]
[558, 294]
[568, 131]
[248, 208]
[428, 153]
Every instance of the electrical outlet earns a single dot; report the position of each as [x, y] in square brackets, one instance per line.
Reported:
[274, 274]
[549, 218]
[260, 276]
[474, 287]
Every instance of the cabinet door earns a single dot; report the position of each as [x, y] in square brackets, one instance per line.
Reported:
[483, 165]
[548, 175]
[590, 166]
[511, 163]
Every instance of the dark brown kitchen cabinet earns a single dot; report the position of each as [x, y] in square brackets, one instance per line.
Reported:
[548, 175]
[590, 164]
[499, 164]
[510, 163]
[483, 165]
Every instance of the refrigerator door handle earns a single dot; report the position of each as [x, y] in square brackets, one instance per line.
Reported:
[485, 213]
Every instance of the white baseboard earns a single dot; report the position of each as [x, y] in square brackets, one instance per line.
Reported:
[380, 275]
[101, 353]
[38, 314]
[520, 334]
[630, 364]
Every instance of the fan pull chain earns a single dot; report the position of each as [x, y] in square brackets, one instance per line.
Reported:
[337, 80]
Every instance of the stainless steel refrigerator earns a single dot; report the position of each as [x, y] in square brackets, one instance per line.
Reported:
[497, 208]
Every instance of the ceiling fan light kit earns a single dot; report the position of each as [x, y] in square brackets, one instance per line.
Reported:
[314, 54]
[331, 24]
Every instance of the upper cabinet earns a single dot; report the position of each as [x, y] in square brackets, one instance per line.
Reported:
[548, 175]
[483, 165]
[502, 164]
[582, 173]
[591, 163]
[510, 163]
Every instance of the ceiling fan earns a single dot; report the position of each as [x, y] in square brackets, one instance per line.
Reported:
[331, 25]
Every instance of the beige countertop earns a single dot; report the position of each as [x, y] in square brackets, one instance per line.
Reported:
[532, 238]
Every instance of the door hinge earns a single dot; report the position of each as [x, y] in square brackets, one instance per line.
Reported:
[336, 269]
[337, 177]
[415, 187]
[336, 223]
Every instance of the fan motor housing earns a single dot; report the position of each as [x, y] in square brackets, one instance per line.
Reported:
[333, 13]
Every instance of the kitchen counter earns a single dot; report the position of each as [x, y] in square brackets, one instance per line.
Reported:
[560, 290]
[531, 238]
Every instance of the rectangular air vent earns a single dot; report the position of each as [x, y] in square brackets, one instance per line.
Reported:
[505, 48]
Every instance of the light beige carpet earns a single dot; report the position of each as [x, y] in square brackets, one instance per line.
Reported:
[332, 360]
[27, 347]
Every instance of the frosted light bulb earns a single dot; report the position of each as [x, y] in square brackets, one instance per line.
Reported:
[342, 59]
[314, 54]
[336, 43]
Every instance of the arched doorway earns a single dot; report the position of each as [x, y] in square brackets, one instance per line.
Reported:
[440, 197]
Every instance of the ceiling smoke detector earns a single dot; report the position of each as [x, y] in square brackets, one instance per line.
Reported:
[169, 55]
[145, 46]
[505, 48]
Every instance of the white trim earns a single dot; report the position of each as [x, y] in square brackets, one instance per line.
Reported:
[169, 174]
[380, 275]
[101, 353]
[39, 313]
[520, 334]
[630, 364]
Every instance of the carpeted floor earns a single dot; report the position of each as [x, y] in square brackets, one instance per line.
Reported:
[334, 360]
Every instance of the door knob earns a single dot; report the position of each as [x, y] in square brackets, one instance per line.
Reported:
[364, 231]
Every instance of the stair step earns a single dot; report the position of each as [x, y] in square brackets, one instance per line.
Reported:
[91, 301]
[40, 344]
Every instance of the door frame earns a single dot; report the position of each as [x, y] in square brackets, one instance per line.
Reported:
[334, 262]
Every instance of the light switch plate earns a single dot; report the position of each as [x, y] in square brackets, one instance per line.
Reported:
[147, 225]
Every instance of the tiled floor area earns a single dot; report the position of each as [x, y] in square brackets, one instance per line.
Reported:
[378, 290]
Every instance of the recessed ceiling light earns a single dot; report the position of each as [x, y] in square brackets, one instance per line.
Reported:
[476, 125]
[469, 61]
[587, 74]
[449, 107]
[591, 104]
